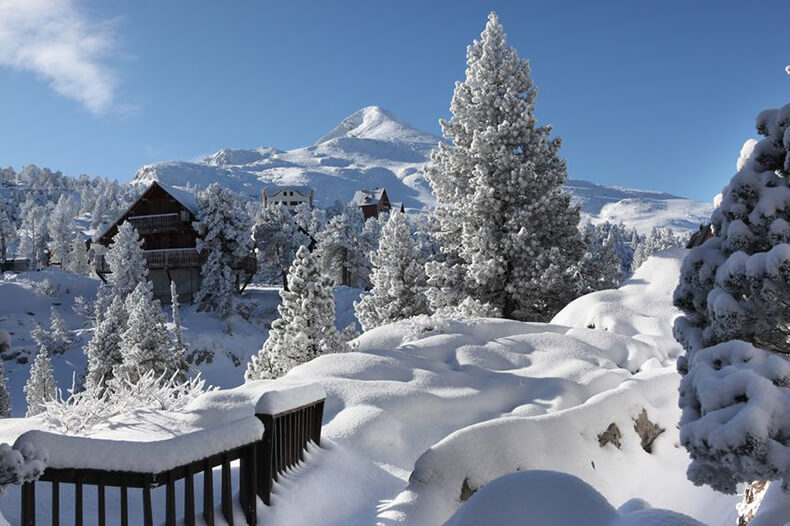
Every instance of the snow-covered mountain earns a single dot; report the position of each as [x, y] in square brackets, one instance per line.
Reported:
[374, 148]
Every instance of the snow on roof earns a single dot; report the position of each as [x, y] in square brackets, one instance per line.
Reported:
[188, 199]
[272, 189]
[367, 197]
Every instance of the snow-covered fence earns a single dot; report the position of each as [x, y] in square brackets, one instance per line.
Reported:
[265, 445]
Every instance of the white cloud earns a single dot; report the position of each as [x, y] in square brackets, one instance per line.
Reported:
[58, 42]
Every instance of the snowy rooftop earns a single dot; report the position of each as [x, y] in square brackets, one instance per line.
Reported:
[272, 189]
[367, 197]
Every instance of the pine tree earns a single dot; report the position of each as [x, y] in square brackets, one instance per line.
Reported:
[176, 317]
[5, 394]
[508, 232]
[60, 227]
[341, 249]
[104, 349]
[79, 257]
[277, 238]
[600, 267]
[127, 268]
[41, 386]
[60, 335]
[145, 344]
[7, 228]
[734, 291]
[224, 237]
[33, 235]
[306, 327]
[398, 278]
[658, 239]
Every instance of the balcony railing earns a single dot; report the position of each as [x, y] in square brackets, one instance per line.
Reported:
[177, 258]
[156, 224]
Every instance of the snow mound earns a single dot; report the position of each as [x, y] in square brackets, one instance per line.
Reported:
[640, 309]
[542, 497]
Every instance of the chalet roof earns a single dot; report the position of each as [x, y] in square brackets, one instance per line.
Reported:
[367, 197]
[187, 199]
[272, 189]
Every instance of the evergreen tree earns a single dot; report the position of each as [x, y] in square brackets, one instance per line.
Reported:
[224, 230]
[306, 327]
[104, 349]
[33, 235]
[60, 335]
[145, 344]
[398, 278]
[41, 386]
[5, 394]
[7, 228]
[508, 232]
[658, 239]
[734, 291]
[600, 267]
[176, 317]
[277, 238]
[79, 257]
[341, 249]
[128, 268]
[60, 227]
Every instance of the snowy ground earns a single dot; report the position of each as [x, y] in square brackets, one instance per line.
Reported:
[427, 412]
[221, 358]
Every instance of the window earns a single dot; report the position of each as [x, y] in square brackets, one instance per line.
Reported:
[294, 203]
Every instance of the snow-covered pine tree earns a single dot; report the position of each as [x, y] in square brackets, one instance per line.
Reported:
[5, 394]
[340, 249]
[104, 349]
[306, 326]
[60, 227]
[398, 278]
[224, 237]
[7, 228]
[32, 232]
[658, 239]
[128, 268]
[277, 238]
[59, 334]
[600, 267]
[508, 232]
[734, 292]
[79, 257]
[41, 386]
[145, 344]
[174, 307]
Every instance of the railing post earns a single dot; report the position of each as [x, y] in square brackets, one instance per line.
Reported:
[29, 504]
[266, 460]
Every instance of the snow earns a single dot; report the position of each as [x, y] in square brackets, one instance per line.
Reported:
[542, 497]
[281, 396]
[427, 403]
[375, 148]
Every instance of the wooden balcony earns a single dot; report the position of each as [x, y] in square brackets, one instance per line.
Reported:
[178, 258]
[157, 224]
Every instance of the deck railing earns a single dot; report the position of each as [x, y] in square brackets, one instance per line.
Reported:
[156, 224]
[177, 258]
[285, 438]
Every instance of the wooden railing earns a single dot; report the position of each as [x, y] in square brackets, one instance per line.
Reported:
[285, 438]
[177, 258]
[156, 224]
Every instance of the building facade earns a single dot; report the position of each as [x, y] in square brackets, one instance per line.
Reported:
[287, 196]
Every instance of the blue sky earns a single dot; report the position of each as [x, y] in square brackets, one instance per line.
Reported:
[656, 95]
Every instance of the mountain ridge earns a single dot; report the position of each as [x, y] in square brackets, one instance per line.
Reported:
[375, 148]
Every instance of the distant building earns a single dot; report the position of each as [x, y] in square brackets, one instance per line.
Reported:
[163, 217]
[287, 196]
[372, 202]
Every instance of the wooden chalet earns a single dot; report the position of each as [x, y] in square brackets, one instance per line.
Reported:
[372, 202]
[163, 217]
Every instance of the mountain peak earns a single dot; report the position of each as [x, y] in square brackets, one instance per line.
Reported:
[374, 122]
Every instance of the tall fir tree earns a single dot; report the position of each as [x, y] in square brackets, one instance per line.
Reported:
[145, 344]
[104, 348]
[60, 227]
[277, 237]
[7, 228]
[306, 327]
[40, 387]
[5, 394]
[341, 249]
[508, 232]
[128, 268]
[398, 278]
[224, 237]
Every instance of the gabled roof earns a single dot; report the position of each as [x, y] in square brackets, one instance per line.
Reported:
[272, 189]
[367, 197]
[187, 199]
